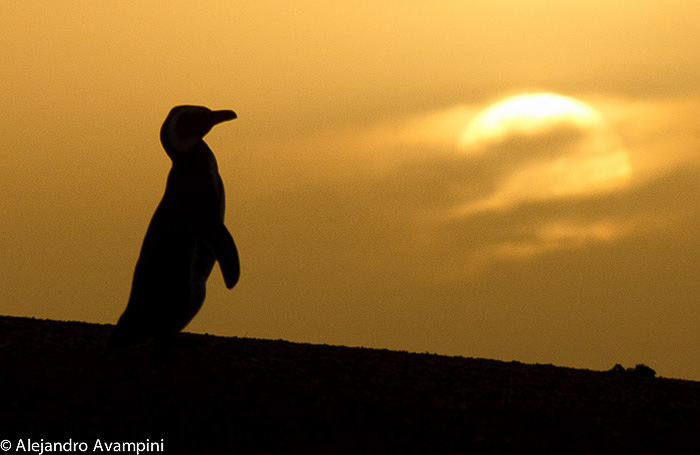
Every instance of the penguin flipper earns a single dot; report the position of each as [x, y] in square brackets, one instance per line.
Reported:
[225, 251]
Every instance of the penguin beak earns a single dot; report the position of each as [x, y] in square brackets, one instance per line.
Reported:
[222, 116]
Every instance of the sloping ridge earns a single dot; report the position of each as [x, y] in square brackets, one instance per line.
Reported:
[207, 394]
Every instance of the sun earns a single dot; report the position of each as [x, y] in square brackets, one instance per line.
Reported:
[527, 114]
[544, 146]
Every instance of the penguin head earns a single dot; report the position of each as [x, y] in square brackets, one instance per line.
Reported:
[185, 127]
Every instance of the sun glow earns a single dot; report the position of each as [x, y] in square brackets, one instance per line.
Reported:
[563, 147]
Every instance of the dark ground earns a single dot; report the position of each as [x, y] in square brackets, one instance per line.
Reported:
[208, 395]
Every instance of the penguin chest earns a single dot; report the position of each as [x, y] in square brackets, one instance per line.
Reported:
[198, 193]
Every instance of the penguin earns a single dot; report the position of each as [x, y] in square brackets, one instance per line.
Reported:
[185, 237]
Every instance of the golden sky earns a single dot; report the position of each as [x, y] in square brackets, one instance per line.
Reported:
[362, 214]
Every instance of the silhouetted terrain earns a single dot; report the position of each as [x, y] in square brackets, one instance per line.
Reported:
[211, 394]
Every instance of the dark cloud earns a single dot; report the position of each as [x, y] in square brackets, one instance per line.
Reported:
[516, 148]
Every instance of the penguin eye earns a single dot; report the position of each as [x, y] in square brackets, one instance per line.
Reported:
[191, 125]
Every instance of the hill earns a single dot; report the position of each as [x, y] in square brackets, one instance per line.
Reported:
[207, 394]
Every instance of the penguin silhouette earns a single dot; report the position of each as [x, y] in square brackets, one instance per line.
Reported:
[186, 235]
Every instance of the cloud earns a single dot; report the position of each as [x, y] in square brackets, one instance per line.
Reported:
[437, 214]
[378, 259]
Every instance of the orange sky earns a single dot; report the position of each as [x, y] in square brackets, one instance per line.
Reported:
[359, 219]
